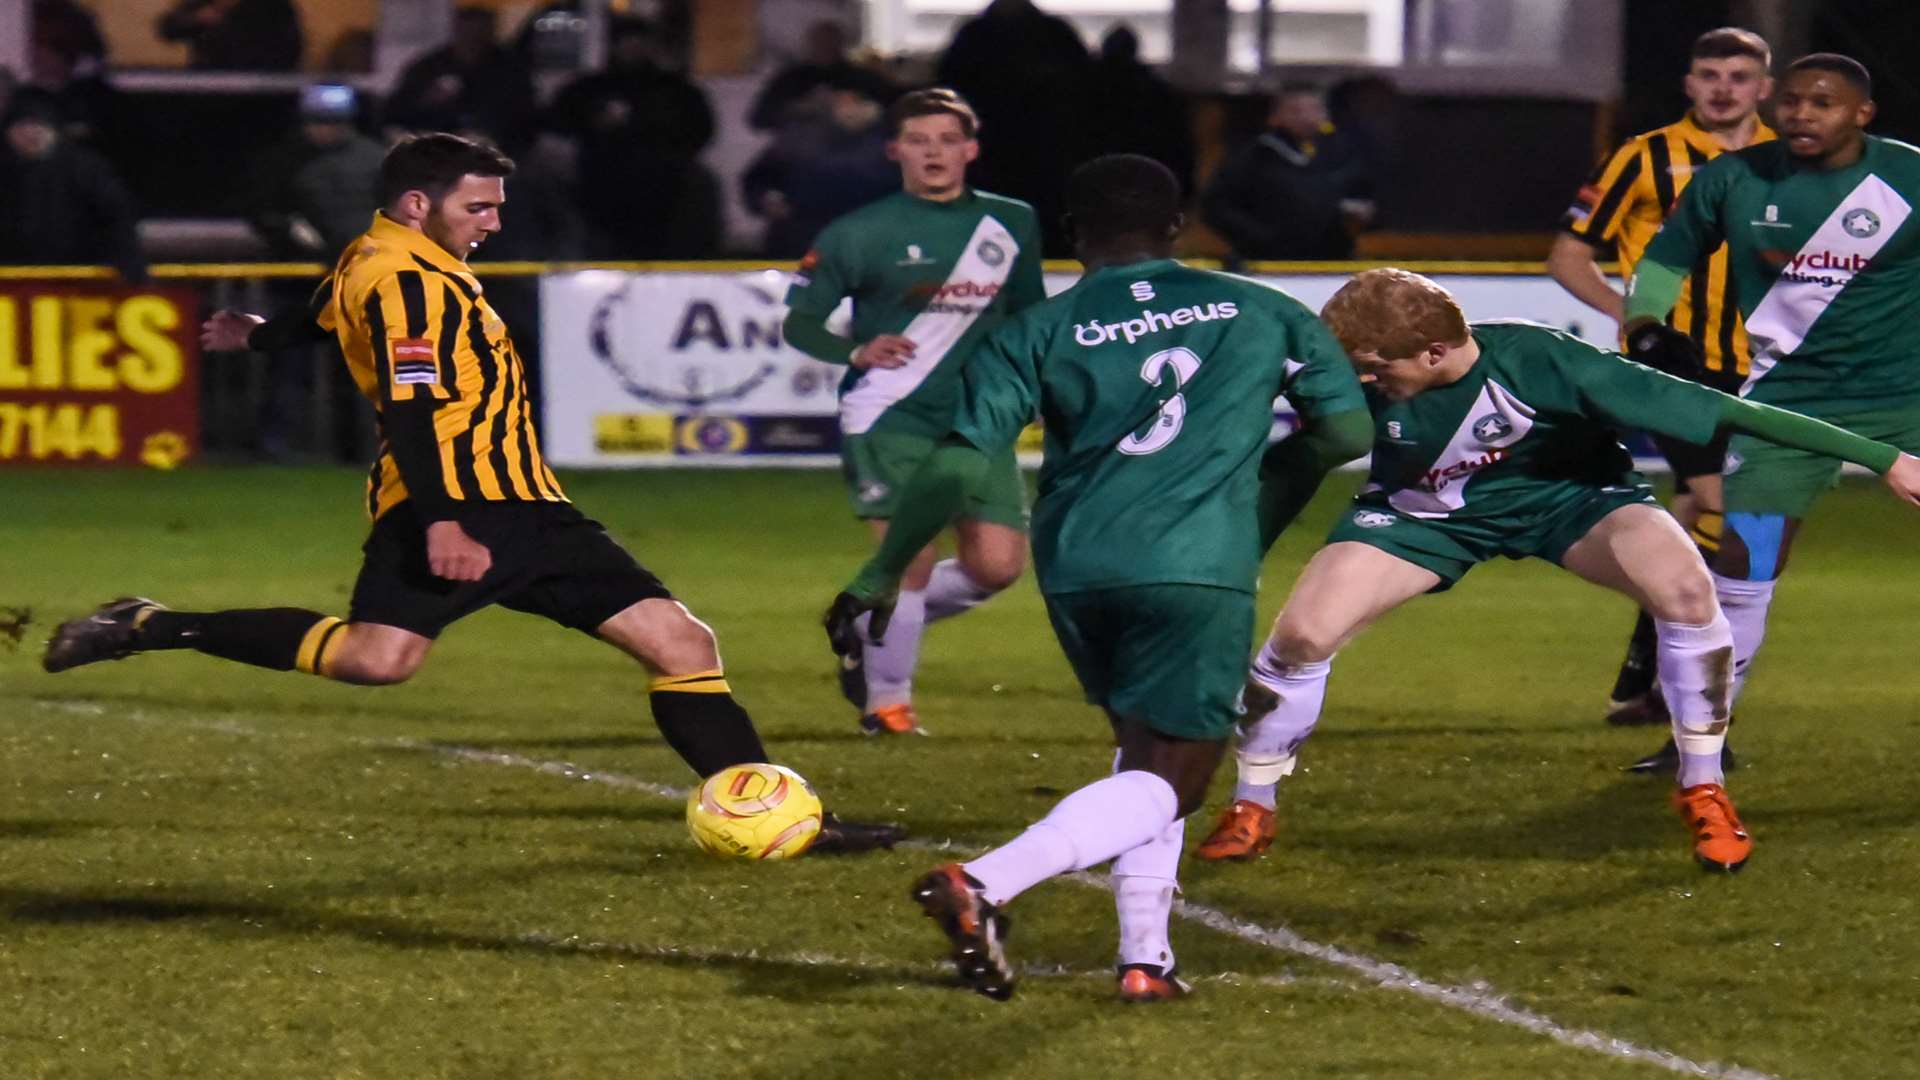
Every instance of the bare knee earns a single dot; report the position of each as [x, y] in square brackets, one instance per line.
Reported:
[665, 636]
[993, 569]
[371, 660]
[1687, 598]
[1297, 640]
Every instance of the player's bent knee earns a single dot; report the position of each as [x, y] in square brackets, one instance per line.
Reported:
[1297, 642]
[1687, 599]
[384, 668]
[996, 571]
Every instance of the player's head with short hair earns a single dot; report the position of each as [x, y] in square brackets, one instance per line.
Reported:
[1123, 199]
[934, 139]
[1824, 105]
[1403, 332]
[1727, 77]
[446, 186]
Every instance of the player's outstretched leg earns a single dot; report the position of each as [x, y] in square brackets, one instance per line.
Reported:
[1634, 701]
[280, 639]
[879, 681]
[693, 706]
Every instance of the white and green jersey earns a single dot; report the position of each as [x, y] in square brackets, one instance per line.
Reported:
[1155, 384]
[1529, 427]
[941, 273]
[1826, 266]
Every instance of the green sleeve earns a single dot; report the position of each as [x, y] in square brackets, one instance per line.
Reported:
[1652, 291]
[1000, 389]
[1027, 285]
[1790, 429]
[808, 332]
[826, 275]
[1321, 380]
[1616, 391]
[1292, 469]
[933, 497]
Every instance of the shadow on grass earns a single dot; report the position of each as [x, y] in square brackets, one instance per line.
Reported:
[800, 977]
[35, 828]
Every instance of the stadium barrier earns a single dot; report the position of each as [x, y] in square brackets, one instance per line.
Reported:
[640, 364]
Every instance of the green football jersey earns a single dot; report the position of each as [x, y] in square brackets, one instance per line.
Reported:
[942, 274]
[1530, 425]
[1826, 266]
[1155, 384]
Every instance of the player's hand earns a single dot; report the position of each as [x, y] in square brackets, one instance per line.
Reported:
[1904, 478]
[843, 633]
[885, 351]
[455, 556]
[1663, 348]
[226, 331]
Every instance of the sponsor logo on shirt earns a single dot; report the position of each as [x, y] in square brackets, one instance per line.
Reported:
[1491, 427]
[916, 257]
[1142, 291]
[991, 253]
[1393, 429]
[413, 362]
[1826, 268]
[1089, 334]
[1860, 222]
[1438, 479]
[1373, 519]
[951, 297]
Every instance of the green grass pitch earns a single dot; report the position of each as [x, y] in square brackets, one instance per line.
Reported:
[212, 871]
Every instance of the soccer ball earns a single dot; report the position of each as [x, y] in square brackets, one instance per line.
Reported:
[754, 812]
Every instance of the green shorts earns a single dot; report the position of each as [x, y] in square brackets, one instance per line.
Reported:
[1765, 479]
[1172, 656]
[878, 465]
[1450, 548]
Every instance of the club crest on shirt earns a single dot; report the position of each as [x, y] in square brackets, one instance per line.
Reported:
[991, 253]
[1373, 519]
[1492, 427]
[915, 257]
[1860, 222]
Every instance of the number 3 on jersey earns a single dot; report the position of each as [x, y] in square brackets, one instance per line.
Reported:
[1155, 434]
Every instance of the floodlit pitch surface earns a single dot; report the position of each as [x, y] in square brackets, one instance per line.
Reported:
[207, 870]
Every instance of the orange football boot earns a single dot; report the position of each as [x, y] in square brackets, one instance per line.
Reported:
[1146, 984]
[1244, 831]
[892, 720]
[1720, 842]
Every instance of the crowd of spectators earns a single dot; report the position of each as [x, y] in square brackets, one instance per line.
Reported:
[613, 162]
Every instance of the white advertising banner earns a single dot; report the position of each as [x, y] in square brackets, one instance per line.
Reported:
[690, 368]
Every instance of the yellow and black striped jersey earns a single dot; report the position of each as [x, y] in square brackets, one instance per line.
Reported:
[423, 344]
[1624, 203]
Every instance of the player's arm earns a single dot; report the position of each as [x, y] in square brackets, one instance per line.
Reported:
[237, 331]
[416, 377]
[1336, 428]
[826, 276]
[1691, 231]
[999, 397]
[1783, 427]
[1591, 225]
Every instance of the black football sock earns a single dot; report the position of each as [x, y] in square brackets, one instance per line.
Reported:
[701, 721]
[279, 638]
[1638, 669]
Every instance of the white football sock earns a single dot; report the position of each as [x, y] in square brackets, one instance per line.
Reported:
[1696, 677]
[950, 591]
[1270, 742]
[1115, 814]
[889, 665]
[1145, 881]
[1745, 604]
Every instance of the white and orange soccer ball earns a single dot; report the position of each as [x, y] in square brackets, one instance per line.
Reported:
[754, 811]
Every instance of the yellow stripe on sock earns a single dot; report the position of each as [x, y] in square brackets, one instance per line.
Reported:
[700, 682]
[329, 644]
[1706, 532]
[304, 658]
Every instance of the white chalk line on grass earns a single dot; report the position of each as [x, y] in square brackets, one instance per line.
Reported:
[1478, 999]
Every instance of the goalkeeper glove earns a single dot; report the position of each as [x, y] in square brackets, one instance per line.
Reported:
[1663, 348]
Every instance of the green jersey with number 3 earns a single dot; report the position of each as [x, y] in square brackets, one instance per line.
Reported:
[1530, 426]
[1826, 265]
[1155, 383]
[941, 273]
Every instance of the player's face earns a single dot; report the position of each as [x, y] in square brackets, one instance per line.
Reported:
[1726, 91]
[469, 214]
[1399, 379]
[1820, 113]
[933, 152]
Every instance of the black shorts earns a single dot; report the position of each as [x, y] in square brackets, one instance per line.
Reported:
[1691, 459]
[548, 559]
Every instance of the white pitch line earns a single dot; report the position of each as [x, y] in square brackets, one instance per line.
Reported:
[1478, 999]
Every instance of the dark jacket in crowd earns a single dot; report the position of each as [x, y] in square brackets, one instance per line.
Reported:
[329, 187]
[822, 171]
[1135, 111]
[1276, 198]
[795, 83]
[252, 35]
[641, 187]
[67, 208]
[438, 92]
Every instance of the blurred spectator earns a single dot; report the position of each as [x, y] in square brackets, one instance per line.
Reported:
[60, 203]
[800, 90]
[86, 103]
[640, 128]
[1025, 72]
[352, 51]
[473, 83]
[236, 35]
[819, 169]
[69, 31]
[1137, 112]
[1298, 191]
[317, 191]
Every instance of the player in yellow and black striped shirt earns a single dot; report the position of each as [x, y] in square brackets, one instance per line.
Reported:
[466, 513]
[1617, 213]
